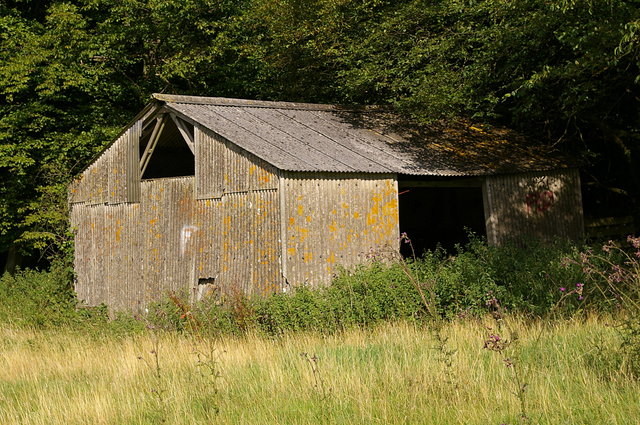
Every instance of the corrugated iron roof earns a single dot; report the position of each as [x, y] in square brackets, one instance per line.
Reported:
[330, 138]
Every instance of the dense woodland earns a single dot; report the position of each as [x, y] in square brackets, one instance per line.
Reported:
[566, 73]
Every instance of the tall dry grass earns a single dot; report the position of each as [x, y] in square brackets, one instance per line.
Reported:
[390, 375]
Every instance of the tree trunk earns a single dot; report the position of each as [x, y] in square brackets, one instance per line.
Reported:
[14, 259]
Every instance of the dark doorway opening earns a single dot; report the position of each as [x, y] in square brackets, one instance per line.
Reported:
[435, 216]
[170, 155]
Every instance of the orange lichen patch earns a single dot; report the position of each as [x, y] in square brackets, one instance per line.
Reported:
[265, 178]
[292, 221]
[356, 214]
[371, 219]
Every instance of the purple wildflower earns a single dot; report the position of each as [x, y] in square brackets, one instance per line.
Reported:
[563, 289]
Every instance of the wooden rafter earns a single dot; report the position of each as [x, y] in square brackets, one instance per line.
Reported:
[186, 134]
[153, 141]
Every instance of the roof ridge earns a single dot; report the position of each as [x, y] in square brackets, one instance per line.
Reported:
[224, 101]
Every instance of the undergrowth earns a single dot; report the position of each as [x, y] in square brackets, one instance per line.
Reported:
[528, 279]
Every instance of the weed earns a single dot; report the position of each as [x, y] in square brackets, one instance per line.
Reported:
[614, 271]
[158, 411]
[503, 340]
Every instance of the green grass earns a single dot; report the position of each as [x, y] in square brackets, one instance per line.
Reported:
[392, 374]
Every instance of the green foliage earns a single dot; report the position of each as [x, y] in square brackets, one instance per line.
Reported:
[364, 297]
[36, 298]
[524, 279]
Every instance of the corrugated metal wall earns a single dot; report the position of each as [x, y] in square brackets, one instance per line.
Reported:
[222, 168]
[542, 205]
[114, 177]
[335, 219]
[129, 254]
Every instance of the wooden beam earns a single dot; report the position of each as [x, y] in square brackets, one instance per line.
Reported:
[186, 134]
[148, 119]
[153, 141]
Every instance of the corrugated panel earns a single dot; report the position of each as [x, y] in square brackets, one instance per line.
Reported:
[132, 161]
[329, 139]
[336, 220]
[239, 246]
[534, 204]
[130, 254]
[223, 168]
[114, 177]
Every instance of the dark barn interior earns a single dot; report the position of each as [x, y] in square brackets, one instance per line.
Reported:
[439, 213]
[170, 157]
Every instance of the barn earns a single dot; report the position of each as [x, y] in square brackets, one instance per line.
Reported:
[212, 195]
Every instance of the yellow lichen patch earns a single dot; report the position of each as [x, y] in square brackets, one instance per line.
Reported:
[291, 250]
[227, 220]
[356, 214]
[118, 230]
[300, 209]
[308, 219]
[252, 170]
[303, 233]
[307, 257]
[371, 219]
[331, 259]
[345, 205]
[333, 227]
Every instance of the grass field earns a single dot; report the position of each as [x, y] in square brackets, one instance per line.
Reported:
[393, 374]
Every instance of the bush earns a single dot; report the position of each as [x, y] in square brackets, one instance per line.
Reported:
[37, 298]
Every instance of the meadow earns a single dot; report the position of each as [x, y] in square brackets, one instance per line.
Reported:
[392, 373]
[537, 334]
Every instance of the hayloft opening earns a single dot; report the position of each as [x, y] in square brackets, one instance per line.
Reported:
[440, 213]
[166, 149]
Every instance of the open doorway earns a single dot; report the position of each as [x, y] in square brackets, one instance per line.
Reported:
[440, 213]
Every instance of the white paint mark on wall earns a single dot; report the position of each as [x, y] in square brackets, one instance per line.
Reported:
[185, 237]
